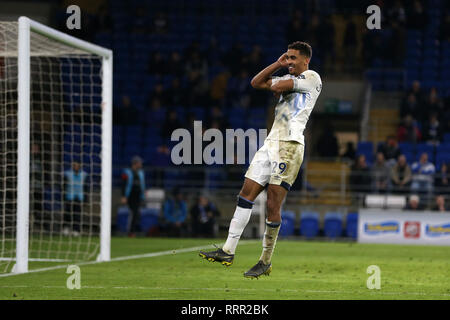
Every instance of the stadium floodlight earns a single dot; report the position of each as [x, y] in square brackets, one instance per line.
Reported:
[55, 111]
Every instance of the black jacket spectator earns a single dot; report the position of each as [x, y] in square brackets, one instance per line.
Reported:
[442, 180]
[432, 131]
[156, 64]
[203, 218]
[327, 145]
[360, 179]
[390, 149]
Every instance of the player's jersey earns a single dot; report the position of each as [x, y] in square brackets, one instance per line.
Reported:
[294, 107]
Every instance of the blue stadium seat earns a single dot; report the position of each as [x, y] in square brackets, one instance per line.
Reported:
[365, 146]
[309, 224]
[333, 225]
[123, 214]
[447, 137]
[149, 219]
[406, 147]
[351, 228]
[287, 223]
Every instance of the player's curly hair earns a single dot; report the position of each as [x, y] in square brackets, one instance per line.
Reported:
[303, 47]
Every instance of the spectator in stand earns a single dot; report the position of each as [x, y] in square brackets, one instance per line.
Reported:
[423, 175]
[327, 145]
[197, 80]
[204, 218]
[409, 106]
[159, 93]
[397, 13]
[126, 114]
[401, 176]
[219, 86]
[432, 131]
[416, 90]
[139, 21]
[408, 131]
[234, 59]
[417, 19]
[160, 23]
[440, 204]
[434, 104]
[175, 66]
[350, 152]
[133, 192]
[254, 61]
[380, 174]
[216, 115]
[170, 125]
[442, 180]
[390, 150]
[444, 33]
[414, 203]
[326, 43]
[296, 27]
[360, 179]
[312, 31]
[156, 64]
[175, 94]
[175, 213]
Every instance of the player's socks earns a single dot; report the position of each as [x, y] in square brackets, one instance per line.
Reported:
[269, 240]
[238, 223]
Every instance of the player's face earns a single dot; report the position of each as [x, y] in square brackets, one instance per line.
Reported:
[296, 62]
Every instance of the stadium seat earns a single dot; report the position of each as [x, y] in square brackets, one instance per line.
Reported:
[351, 227]
[287, 223]
[123, 214]
[309, 224]
[149, 219]
[333, 225]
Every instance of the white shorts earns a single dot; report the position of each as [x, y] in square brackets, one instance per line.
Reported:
[276, 162]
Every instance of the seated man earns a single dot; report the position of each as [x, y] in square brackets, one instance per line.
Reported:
[440, 204]
[414, 203]
[175, 212]
[380, 174]
[360, 179]
[203, 215]
[423, 173]
[401, 176]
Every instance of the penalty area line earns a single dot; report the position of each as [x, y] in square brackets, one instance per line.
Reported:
[124, 258]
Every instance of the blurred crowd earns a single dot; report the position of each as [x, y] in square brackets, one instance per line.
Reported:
[392, 174]
[425, 117]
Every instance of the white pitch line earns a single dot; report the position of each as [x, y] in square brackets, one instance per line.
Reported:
[137, 256]
[378, 292]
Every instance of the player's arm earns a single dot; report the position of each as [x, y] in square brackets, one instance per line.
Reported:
[263, 80]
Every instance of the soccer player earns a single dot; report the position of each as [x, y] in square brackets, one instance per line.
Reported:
[277, 163]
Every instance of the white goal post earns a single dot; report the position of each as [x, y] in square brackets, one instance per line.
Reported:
[25, 27]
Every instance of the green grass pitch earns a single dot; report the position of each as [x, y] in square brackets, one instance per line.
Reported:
[301, 270]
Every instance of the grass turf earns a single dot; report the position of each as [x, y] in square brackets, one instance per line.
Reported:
[301, 270]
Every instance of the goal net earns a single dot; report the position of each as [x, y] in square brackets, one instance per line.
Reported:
[55, 146]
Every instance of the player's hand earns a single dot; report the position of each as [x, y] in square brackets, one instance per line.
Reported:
[123, 200]
[283, 60]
